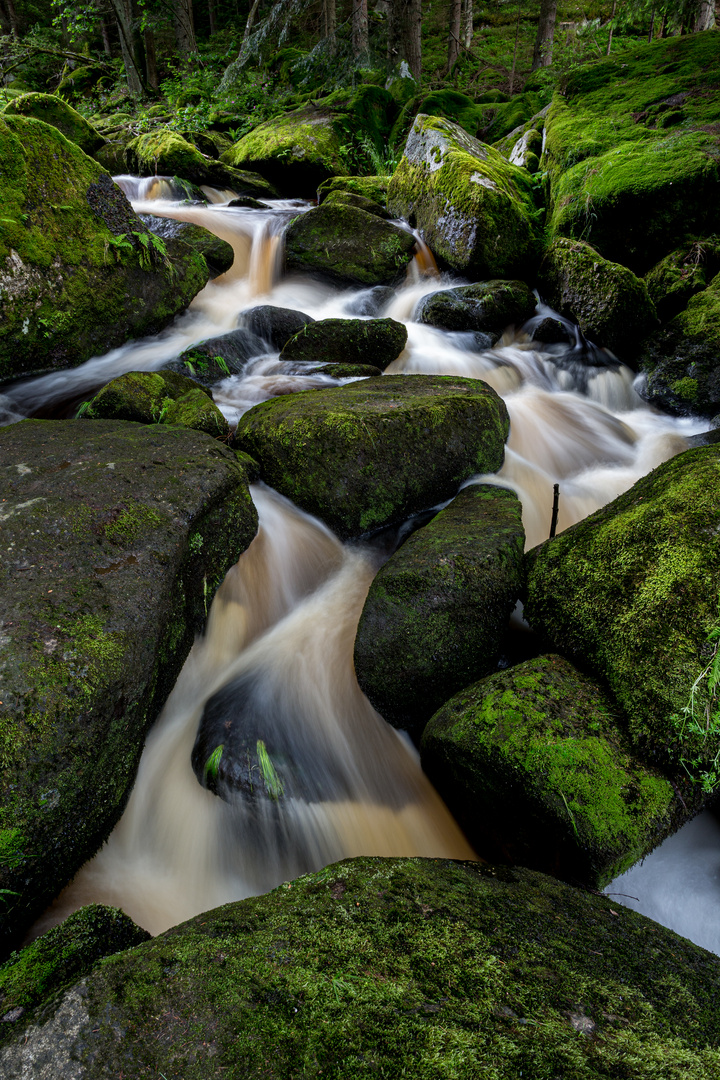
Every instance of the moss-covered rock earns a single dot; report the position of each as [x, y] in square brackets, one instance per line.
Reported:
[488, 306]
[61, 956]
[473, 208]
[164, 152]
[216, 358]
[688, 270]
[348, 341]
[217, 253]
[610, 305]
[682, 360]
[436, 612]
[348, 246]
[621, 179]
[54, 111]
[632, 593]
[116, 536]
[360, 202]
[391, 967]
[523, 140]
[346, 371]
[369, 187]
[79, 273]
[532, 763]
[368, 454]
[158, 397]
[275, 325]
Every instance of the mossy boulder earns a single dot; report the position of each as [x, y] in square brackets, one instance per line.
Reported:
[79, 273]
[348, 246]
[674, 281]
[609, 303]
[216, 358]
[158, 397]
[117, 536]
[368, 454]
[376, 342]
[64, 954]
[360, 202]
[54, 111]
[474, 209]
[274, 325]
[164, 152]
[346, 371]
[217, 253]
[682, 360]
[620, 178]
[415, 967]
[631, 594]
[369, 187]
[534, 766]
[437, 611]
[487, 306]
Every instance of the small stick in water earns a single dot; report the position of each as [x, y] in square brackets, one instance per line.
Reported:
[556, 500]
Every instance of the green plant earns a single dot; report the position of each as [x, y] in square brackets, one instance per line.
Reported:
[213, 763]
[273, 783]
[702, 719]
[222, 364]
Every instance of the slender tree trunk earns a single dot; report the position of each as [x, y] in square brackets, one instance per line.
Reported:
[212, 16]
[151, 71]
[663, 26]
[330, 21]
[250, 21]
[129, 46]
[12, 17]
[542, 56]
[404, 42]
[517, 35]
[467, 30]
[652, 25]
[703, 20]
[454, 33]
[184, 27]
[360, 40]
[612, 24]
[105, 34]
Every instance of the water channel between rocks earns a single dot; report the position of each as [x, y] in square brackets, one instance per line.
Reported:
[284, 621]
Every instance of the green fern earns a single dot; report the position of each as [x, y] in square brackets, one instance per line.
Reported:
[212, 764]
[273, 783]
[703, 721]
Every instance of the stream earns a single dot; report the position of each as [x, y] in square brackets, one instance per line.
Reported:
[281, 628]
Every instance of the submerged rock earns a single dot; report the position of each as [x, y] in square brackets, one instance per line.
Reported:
[376, 342]
[52, 110]
[371, 965]
[275, 325]
[437, 611]
[117, 536]
[532, 763]
[348, 246]
[631, 594]
[216, 358]
[474, 209]
[79, 273]
[610, 305]
[487, 306]
[217, 253]
[371, 453]
[166, 152]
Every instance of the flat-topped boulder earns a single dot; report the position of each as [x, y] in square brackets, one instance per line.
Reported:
[374, 342]
[437, 610]
[116, 536]
[391, 967]
[166, 152]
[371, 453]
[486, 306]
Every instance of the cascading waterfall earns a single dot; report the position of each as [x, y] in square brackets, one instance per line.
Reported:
[280, 632]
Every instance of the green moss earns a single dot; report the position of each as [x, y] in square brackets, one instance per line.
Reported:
[12, 843]
[54, 111]
[376, 342]
[197, 411]
[369, 187]
[679, 276]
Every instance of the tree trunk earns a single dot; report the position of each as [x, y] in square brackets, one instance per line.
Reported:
[129, 46]
[652, 25]
[517, 35]
[151, 71]
[13, 19]
[249, 24]
[454, 33]
[404, 35]
[104, 33]
[184, 27]
[212, 16]
[360, 39]
[467, 30]
[542, 56]
[330, 21]
[612, 23]
[704, 18]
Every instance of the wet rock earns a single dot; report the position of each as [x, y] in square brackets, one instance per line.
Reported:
[369, 187]
[142, 396]
[506, 964]
[217, 253]
[551, 331]
[165, 152]
[436, 612]
[681, 359]
[473, 209]
[630, 594]
[346, 371]
[535, 767]
[619, 178]
[371, 453]
[348, 198]
[246, 202]
[117, 536]
[348, 246]
[608, 302]
[370, 302]
[216, 358]
[376, 342]
[680, 275]
[488, 306]
[63, 954]
[79, 273]
[52, 110]
[199, 412]
[275, 325]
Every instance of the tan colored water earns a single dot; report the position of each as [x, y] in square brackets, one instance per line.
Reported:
[285, 618]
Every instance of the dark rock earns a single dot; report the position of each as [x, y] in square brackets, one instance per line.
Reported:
[402, 955]
[216, 358]
[349, 198]
[346, 371]
[275, 325]
[680, 275]
[218, 254]
[376, 342]
[551, 331]
[370, 302]
[348, 246]
[246, 202]
[436, 612]
[488, 306]
[118, 536]
[534, 766]
[371, 453]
